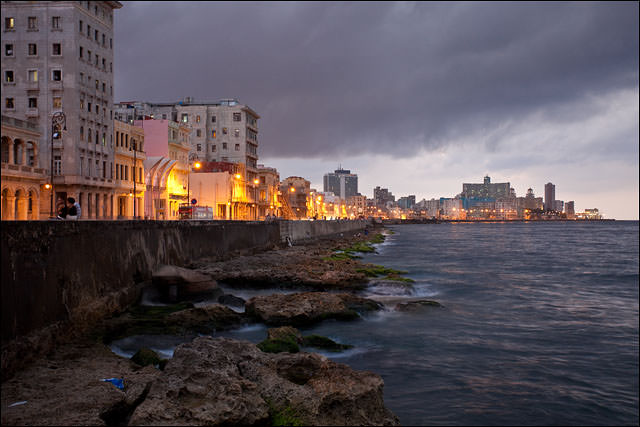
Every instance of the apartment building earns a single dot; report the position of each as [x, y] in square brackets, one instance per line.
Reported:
[57, 59]
[129, 170]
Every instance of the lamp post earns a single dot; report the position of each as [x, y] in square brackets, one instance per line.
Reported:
[58, 120]
[197, 166]
[134, 145]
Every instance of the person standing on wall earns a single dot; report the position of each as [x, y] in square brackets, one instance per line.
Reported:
[74, 209]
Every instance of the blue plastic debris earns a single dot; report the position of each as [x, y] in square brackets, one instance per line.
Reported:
[22, 402]
[118, 382]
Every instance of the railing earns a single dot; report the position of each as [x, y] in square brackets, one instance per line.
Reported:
[23, 124]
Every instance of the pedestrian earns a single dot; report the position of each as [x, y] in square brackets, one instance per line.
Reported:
[61, 208]
[74, 209]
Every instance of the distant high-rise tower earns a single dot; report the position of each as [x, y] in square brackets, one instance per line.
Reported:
[342, 183]
[549, 196]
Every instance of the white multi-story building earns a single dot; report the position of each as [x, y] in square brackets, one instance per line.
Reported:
[58, 57]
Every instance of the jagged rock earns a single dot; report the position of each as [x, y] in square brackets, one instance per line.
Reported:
[307, 307]
[418, 305]
[284, 332]
[176, 283]
[146, 356]
[318, 341]
[66, 388]
[223, 381]
[205, 319]
[231, 300]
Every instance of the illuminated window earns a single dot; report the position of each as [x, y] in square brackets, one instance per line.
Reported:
[225, 131]
[185, 118]
[197, 119]
[8, 50]
[57, 102]
[8, 76]
[236, 133]
[8, 103]
[33, 75]
[9, 23]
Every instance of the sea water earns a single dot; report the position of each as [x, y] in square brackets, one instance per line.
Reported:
[539, 325]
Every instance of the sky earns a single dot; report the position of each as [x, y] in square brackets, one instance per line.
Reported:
[414, 97]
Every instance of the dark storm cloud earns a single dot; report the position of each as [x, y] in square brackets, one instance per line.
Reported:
[331, 79]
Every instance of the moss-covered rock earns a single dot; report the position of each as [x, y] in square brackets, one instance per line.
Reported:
[318, 341]
[284, 333]
[145, 356]
[279, 345]
[373, 270]
[419, 305]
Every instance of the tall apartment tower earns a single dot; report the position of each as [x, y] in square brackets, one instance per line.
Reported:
[58, 57]
[342, 183]
[549, 196]
[223, 131]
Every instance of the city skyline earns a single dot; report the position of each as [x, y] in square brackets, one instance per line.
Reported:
[414, 97]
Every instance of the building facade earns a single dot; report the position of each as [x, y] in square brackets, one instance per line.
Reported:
[129, 174]
[24, 196]
[486, 190]
[58, 58]
[342, 183]
[549, 196]
[268, 188]
[223, 131]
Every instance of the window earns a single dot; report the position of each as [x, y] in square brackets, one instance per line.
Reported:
[104, 169]
[213, 148]
[81, 78]
[104, 64]
[8, 103]
[198, 132]
[236, 132]
[32, 23]
[33, 102]
[55, 22]
[111, 43]
[57, 49]
[97, 59]
[197, 119]
[80, 26]
[33, 75]
[213, 119]
[104, 40]
[97, 136]
[88, 30]
[82, 104]
[81, 133]
[97, 84]
[213, 134]
[33, 49]
[57, 165]
[97, 109]
[104, 139]
[225, 131]
[9, 23]
[95, 36]
[104, 87]
[199, 147]
[185, 118]
[237, 117]
[89, 109]
[56, 75]
[8, 76]
[224, 145]
[81, 52]
[57, 102]
[237, 147]
[8, 50]
[164, 117]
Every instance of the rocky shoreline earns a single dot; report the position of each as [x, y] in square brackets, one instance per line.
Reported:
[215, 380]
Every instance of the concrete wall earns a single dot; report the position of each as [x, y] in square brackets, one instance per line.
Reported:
[77, 272]
[302, 230]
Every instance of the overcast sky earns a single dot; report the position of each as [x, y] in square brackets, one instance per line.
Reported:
[414, 97]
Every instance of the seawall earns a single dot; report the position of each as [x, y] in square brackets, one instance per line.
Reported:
[74, 273]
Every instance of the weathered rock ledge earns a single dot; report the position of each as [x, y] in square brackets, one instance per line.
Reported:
[208, 381]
